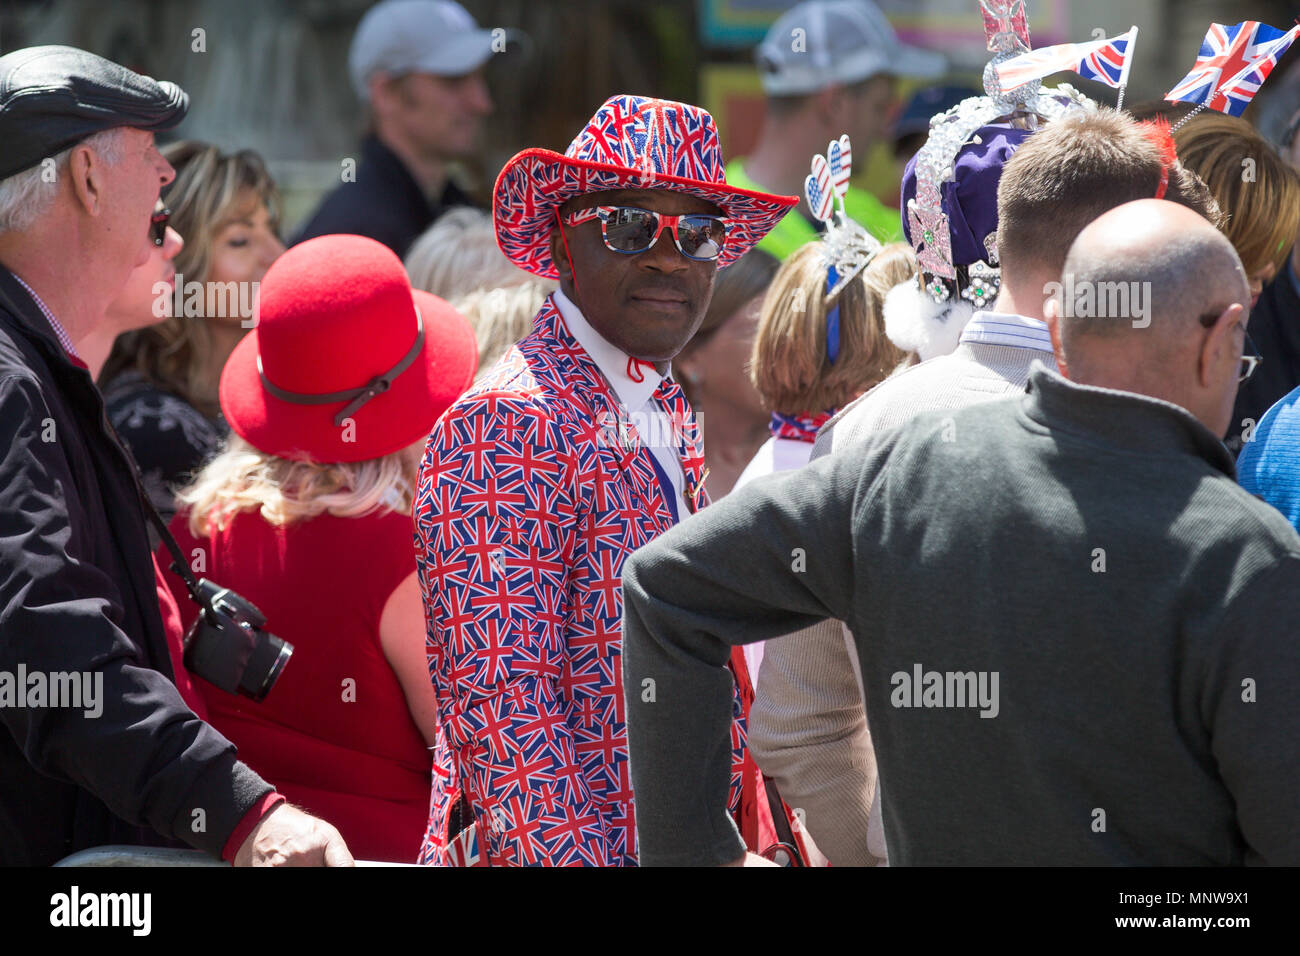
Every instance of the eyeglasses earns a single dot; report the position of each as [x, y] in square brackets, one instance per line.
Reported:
[631, 230]
[1248, 362]
[158, 225]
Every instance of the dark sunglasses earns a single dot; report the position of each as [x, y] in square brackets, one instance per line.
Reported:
[630, 230]
[158, 226]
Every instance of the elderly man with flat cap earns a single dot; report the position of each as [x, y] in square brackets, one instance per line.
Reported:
[79, 179]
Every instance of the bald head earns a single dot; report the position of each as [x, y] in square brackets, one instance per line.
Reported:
[1146, 287]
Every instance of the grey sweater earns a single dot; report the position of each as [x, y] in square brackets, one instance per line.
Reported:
[1077, 637]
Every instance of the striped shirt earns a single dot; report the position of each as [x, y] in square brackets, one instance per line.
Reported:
[59, 331]
[1018, 331]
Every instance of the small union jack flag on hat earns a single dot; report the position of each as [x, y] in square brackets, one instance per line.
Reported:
[1233, 64]
[1106, 61]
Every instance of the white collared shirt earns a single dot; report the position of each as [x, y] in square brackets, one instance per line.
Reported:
[637, 398]
[1017, 331]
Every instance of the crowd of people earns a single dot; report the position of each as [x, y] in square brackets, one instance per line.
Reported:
[672, 511]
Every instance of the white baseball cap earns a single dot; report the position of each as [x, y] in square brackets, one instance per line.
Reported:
[419, 36]
[821, 42]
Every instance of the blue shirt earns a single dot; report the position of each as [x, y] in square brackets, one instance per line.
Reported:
[1269, 465]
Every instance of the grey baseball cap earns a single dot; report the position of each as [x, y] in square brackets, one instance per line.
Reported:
[821, 42]
[419, 36]
[53, 97]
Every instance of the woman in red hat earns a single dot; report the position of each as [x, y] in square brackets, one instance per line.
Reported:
[307, 513]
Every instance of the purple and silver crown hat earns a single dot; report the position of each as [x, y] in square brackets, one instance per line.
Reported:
[633, 142]
[950, 193]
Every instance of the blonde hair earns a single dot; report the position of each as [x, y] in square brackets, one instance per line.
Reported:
[1262, 213]
[501, 317]
[458, 255]
[210, 188]
[790, 367]
[244, 478]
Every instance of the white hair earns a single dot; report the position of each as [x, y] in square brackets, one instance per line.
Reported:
[458, 254]
[25, 195]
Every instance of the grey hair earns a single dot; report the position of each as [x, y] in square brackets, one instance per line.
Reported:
[25, 195]
[458, 255]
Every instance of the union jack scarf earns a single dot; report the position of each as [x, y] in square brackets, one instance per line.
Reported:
[799, 427]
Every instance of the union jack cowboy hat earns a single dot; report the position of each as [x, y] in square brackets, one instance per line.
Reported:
[633, 142]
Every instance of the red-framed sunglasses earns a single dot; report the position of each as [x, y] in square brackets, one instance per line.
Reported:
[631, 230]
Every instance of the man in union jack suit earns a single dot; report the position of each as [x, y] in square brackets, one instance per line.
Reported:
[575, 450]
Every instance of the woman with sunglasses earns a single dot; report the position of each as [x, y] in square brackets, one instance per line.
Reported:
[160, 381]
[139, 304]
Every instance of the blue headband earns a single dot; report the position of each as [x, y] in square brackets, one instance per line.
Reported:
[832, 319]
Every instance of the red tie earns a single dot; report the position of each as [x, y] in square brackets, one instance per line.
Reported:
[690, 447]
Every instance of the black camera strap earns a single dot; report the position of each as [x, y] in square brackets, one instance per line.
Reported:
[178, 557]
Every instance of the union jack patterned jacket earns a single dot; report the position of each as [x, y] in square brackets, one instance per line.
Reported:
[530, 499]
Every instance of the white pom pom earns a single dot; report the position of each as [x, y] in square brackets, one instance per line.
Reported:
[916, 323]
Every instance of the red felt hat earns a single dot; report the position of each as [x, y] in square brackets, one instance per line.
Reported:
[346, 362]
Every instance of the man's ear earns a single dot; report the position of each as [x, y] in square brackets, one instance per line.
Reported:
[1052, 316]
[559, 257]
[829, 105]
[383, 91]
[86, 173]
[1218, 345]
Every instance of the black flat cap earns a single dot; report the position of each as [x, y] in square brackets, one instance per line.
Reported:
[52, 97]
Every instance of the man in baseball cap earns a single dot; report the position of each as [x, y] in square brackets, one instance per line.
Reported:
[827, 67]
[418, 67]
[99, 745]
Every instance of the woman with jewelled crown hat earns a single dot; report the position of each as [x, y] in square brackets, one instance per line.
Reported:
[950, 193]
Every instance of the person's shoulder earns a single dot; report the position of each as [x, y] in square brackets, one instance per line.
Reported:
[1281, 423]
[763, 463]
[141, 407]
[359, 207]
[906, 391]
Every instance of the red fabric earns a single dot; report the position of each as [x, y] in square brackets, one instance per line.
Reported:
[1161, 133]
[171, 617]
[361, 764]
[250, 820]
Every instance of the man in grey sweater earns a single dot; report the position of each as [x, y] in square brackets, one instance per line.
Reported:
[1076, 632]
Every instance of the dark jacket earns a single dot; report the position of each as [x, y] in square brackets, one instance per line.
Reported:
[1078, 566]
[1275, 329]
[384, 202]
[77, 595]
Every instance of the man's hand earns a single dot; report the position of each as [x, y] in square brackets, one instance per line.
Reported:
[751, 859]
[288, 837]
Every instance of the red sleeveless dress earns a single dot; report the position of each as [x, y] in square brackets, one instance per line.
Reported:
[334, 735]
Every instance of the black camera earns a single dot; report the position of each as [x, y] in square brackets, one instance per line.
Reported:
[228, 647]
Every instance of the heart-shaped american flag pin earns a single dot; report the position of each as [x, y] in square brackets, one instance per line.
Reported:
[819, 190]
[841, 163]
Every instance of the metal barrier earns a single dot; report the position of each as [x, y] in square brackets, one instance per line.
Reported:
[159, 856]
